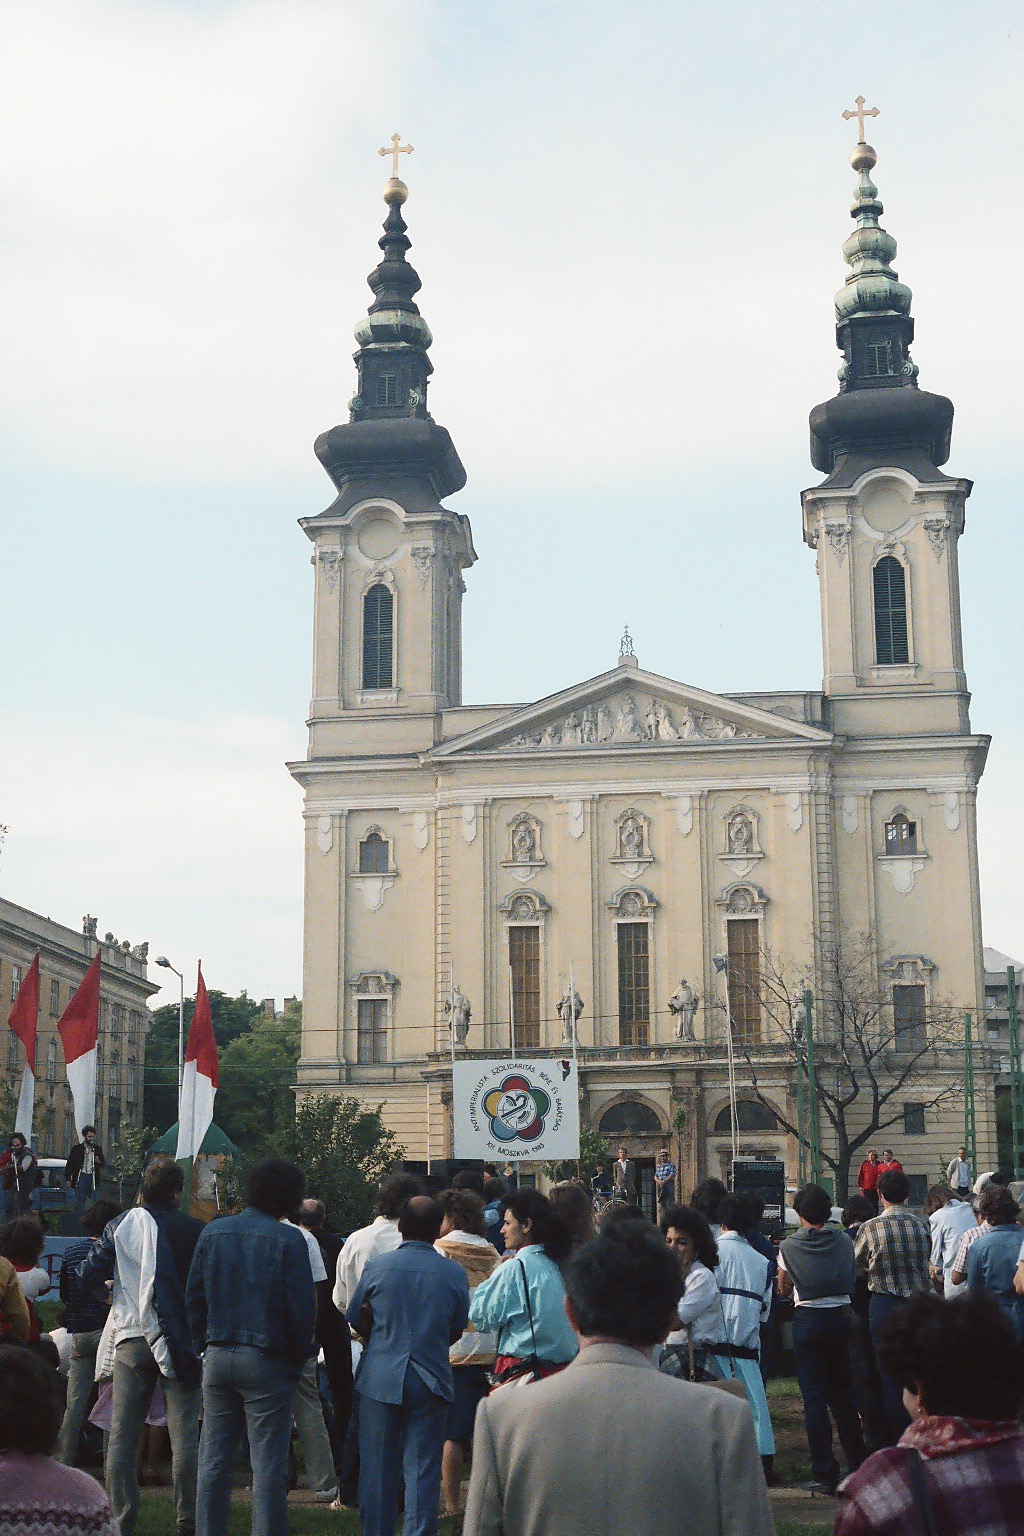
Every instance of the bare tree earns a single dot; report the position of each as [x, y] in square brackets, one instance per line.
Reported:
[866, 1054]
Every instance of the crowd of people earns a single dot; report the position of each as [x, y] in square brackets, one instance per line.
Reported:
[566, 1343]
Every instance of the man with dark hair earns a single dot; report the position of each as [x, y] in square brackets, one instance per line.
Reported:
[893, 1250]
[535, 1451]
[470, 1178]
[84, 1165]
[147, 1253]
[410, 1305]
[381, 1236]
[495, 1191]
[949, 1218]
[818, 1270]
[332, 1332]
[84, 1315]
[252, 1308]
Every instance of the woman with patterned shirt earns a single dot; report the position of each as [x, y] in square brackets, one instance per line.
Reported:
[37, 1494]
[962, 1457]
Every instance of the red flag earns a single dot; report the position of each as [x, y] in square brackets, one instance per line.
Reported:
[78, 1027]
[199, 1079]
[24, 1019]
[24, 1015]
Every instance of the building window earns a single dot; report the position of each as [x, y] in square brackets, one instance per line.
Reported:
[116, 1018]
[113, 1122]
[387, 389]
[908, 1011]
[372, 1043]
[891, 643]
[878, 360]
[745, 978]
[54, 999]
[378, 637]
[374, 855]
[913, 1120]
[15, 981]
[12, 1052]
[133, 1024]
[69, 1127]
[524, 958]
[51, 1062]
[114, 1086]
[901, 835]
[633, 941]
[131, 1082]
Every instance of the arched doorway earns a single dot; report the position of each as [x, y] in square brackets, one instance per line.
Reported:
[638, 1126]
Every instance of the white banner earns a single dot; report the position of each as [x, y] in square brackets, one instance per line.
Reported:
[506, 1111]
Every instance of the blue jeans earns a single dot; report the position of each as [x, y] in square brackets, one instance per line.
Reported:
[397, 1439]
[250, 1386]
[821, 1351]
[897, 1417]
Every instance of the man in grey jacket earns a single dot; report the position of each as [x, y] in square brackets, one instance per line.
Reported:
[818, 1269]
[596, 1448]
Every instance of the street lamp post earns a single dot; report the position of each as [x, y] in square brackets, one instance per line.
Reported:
[163, 960]
[721, 965]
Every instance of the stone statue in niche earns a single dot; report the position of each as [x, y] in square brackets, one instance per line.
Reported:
[460, 1014]
[570, 1006]
[524, 843]
[631, 838]
[741, 834]
[683, 1005]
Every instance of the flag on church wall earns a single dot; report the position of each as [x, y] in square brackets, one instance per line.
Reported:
[23, 1020]
[199, 1078]
[78, 1027]
[516, 1111]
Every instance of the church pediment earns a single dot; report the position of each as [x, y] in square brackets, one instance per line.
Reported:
[627, 710]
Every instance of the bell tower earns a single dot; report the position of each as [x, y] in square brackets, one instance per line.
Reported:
[885, 521]
[388, 556]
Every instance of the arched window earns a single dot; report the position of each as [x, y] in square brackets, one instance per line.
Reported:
[891, 643]
[378, 637]
[750, 1116]
[630, 1118]
[901, 834]
[373, 855]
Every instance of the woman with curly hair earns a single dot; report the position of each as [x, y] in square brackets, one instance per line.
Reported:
[523, 1301]
[961, 1461]
[36, 1492]
[576, 1208]
[690, 1238]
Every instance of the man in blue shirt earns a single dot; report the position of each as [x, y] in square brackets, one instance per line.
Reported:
[409, 1306]
[85, 1312]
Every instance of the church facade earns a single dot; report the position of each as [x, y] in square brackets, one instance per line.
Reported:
[694, 862]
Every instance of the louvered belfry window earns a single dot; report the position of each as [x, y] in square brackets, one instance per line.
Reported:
[378, 637]
[891, 641]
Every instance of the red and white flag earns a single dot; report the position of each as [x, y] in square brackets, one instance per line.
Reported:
[199, 1079]
[24, 1018]
[78, 1027]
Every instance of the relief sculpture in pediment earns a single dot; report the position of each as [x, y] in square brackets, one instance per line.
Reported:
[631, 721]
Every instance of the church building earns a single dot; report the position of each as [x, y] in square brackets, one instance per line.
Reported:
[685, 856]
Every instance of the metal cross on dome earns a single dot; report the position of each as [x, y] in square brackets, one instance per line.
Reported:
[397, 148]
[859, 111]
[626, 647]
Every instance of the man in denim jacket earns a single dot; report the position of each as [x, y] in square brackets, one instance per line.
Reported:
[252, 1310]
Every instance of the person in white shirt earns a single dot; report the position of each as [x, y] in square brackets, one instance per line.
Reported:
[700, 1311]
[381, 1236]
[960, 1174]
[310, 1427]
[949, 1219]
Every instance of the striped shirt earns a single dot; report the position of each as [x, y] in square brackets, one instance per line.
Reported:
[894, 1249]
[969, 1238]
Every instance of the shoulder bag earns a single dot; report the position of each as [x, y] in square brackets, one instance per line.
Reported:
[522, 1372]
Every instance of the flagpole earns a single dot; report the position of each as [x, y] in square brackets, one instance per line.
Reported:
[511, 1012]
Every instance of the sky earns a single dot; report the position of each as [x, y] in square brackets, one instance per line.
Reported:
[628, 221]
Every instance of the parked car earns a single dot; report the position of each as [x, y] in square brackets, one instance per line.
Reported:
[52, 1193]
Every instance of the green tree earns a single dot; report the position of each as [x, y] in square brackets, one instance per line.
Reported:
[255, 1103]
[345, 1150]
[232, 1018]
[593, 1150]
[126, 1160]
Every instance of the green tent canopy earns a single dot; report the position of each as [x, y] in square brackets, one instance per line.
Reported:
[215, 1143]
